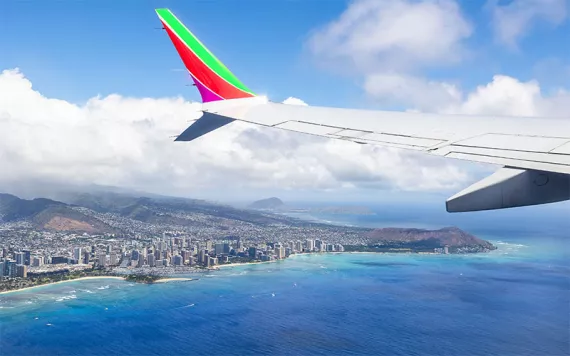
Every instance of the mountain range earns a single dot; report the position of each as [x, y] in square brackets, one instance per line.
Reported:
[111, 212]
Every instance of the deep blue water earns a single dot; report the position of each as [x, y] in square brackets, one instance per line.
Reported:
[513, 301]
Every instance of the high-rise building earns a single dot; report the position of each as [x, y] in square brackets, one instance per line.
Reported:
[113, 259]
[27, 257]
[86, 257]
[37, 261]
[77, 254]
[280, 252]
[151, 261]
[135, 255]
[310, 245]
[102, 260]
[55, 260]
[10, 269]
[177, 260]
[22, 271]
[186, 255]
[20, 258]
[318, 245]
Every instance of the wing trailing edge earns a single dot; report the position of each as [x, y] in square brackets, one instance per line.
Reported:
[511, 187]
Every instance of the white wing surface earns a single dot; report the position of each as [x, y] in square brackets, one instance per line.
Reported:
[529, 143]
[535, 152]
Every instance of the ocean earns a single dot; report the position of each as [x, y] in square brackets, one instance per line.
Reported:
[512, 301]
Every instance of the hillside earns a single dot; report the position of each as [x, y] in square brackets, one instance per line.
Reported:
[125, 215]
[452, 237]
[47, 214]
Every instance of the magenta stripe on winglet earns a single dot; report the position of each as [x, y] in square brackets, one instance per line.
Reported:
[207, 94]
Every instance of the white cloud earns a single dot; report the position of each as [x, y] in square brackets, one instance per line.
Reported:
[504, 95]
[396, 34]
[508, 96]
[294, 101]
[514, 20]
[404, 89]
[390, 42]
[126, 142]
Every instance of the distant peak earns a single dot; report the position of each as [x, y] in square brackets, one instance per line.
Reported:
[269, 203]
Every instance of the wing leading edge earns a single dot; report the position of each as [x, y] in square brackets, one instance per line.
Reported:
[534, 152]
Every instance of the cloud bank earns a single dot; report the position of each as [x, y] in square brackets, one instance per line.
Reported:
[124, 141]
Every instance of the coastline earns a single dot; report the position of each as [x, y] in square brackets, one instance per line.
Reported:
[244, 264]
[173, 279]
[60, 282]
[218, 267]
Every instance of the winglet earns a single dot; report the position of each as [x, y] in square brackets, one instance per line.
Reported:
[212, 78]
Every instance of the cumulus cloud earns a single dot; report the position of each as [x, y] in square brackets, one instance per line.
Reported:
[405, 89]
[127, 142]
[503, 95]
[513, 20]
[396, 34]
[391, 42]
[509, 96]
[294, 101]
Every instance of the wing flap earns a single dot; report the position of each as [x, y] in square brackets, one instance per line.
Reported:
[514, 142]
[312, 129]
[563, 149]
[512, 162]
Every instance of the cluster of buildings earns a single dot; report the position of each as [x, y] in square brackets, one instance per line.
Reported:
[167, 251]
[179, 251]
[203, 236]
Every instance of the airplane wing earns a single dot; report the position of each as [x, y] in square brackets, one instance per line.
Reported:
[534, 152]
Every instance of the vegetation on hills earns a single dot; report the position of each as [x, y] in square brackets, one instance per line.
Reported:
[99, 213]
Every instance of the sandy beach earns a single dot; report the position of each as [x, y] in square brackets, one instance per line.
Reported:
[178, 279]
[66, 281]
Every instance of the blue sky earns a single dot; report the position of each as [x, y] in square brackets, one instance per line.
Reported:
[75, 50]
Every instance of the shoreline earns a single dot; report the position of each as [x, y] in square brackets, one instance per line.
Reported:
[218, 267]
[244, 264]
[60, 282]
[173, 279]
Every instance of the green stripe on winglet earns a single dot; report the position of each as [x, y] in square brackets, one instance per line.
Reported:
[199, 49]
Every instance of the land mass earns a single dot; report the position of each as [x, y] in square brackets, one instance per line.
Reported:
[44, 240]
[267, 204]
[120, 215]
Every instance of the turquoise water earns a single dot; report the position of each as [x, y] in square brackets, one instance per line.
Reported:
[512, 301]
